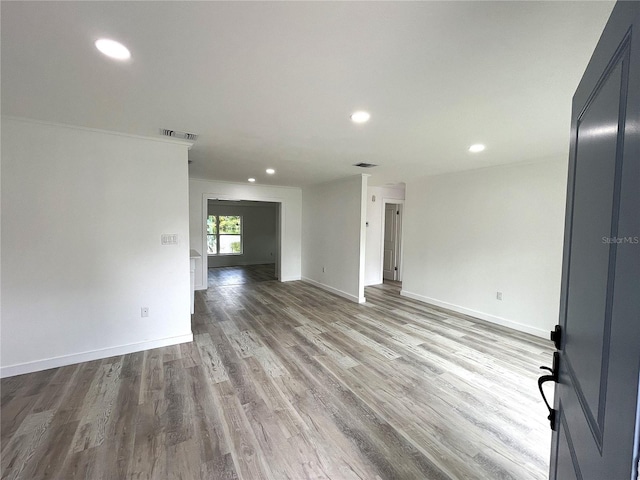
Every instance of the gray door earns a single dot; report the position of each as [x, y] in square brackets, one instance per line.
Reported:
[596, 397]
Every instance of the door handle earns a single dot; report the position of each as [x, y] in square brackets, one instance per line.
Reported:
[550, 378]
[556, 336]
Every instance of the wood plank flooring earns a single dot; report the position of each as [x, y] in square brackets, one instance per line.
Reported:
[286, 381]
[222, 276]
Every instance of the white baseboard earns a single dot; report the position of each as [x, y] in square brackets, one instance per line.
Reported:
[45, 364]
[521, 327]
[242, 264]
[290, 279]
[342, 294]
[284, 279]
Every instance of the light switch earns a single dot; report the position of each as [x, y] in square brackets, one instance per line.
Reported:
[169, 239]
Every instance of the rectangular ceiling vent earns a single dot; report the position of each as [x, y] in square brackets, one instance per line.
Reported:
[192, 137]
[365, 165]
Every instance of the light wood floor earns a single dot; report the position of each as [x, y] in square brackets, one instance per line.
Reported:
[285, 381]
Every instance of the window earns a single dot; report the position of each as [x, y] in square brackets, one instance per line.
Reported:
[224, 235]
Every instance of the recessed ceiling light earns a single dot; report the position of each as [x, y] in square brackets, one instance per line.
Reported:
[113, 49]
[360, 117]
[478, 147]
[270, 171]
[251, 179]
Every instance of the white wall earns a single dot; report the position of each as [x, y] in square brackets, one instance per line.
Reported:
[333, 236]
[375, 219]
[82, 216]
[469, 235]
[290, 220]
[259, 241]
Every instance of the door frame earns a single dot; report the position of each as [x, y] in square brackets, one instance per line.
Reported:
[400, 239]
[280, 227]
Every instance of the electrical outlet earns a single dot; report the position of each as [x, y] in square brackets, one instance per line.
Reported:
[144, 312]
[499, 295]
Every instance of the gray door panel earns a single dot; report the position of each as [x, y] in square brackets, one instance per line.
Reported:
[596, 396]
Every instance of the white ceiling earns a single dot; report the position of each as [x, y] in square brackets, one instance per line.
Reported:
[272, 84]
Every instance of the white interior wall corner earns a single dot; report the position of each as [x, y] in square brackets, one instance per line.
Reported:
[471, 234]
[82, 217]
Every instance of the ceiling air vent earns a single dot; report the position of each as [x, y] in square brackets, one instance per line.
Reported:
[365, 165]
[192, 137]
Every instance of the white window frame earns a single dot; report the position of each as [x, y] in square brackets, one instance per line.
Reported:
[218, 234]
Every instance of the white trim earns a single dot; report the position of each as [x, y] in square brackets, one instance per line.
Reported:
[362, 243]
[159, 138]
[244, 184]
[521, 327]
[401, 244]
[45, 364]
[240, 264]
[335, 291]
[217, 255]
[290, 279]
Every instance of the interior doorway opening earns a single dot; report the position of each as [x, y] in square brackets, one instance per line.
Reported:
[392, 243]
[241, 241]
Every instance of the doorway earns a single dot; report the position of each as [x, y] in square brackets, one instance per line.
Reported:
[391, 243]
[241, 240]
